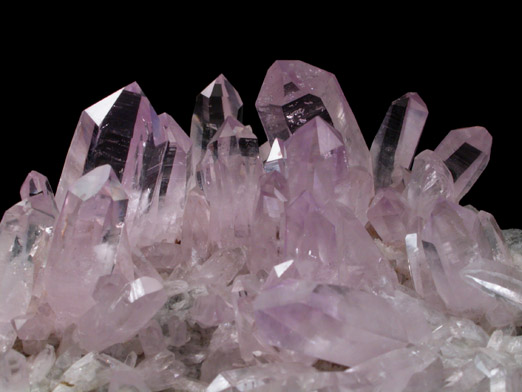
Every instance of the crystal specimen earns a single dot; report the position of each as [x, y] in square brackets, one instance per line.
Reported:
[210, 263]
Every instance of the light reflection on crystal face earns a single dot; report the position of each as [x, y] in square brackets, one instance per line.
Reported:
[211, 263]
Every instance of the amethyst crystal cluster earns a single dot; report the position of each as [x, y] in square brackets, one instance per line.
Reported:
[210, 263]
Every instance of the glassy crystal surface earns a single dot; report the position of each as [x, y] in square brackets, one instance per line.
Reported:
[395, 142]
[123, 131]
[229, 175]
[121, 311]
[466, 153]
[294, 92]
[214, 104]
[211, 263]
[25, 232]
[88, 242]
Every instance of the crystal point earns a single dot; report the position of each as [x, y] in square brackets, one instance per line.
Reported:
[294, 92]
[466, 153]
[395, 142]
[90, 228]
[351, 316]
[123, 131]
[34, 184]
[214, 104]
[122, 313]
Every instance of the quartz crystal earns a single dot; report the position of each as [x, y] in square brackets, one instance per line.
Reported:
[295, 92]
[210, 263]
[214, 104]
[394, 145]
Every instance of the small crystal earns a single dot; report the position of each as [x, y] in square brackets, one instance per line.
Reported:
[120, 313]
[210, 263]
[294, 92]
[466, 153]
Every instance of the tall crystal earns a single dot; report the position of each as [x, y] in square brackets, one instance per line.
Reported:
[87, 243]
[123, 131]
[466, 153]
[25, 232]
[394, 145]
[214, 104]
[294, 92]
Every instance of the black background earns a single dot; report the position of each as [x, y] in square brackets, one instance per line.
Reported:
[468, 77]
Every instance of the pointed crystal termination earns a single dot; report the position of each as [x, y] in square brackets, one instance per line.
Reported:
[229, 174]
[214, 104]
[168, 201]
[315, 160]
[295, 92]
[87, 242]
[123, 131]
[276, 157]
[121, 313]
[25, 232]
[335, 323]
[449, 248]
[395, 143]
[466, 153]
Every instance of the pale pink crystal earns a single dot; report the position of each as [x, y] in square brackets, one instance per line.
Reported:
[395, 143]
[224, 266]
[229, 174]
[25, 232]
[430, 181]
[295, 92]
[342, 326]
[214, 104]
[123, 131]
[14, 372]
[87, 245]
[151, 339]
[120, 313]
[466, 153]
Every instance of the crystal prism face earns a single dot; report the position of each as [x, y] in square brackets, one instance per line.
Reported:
[123, 131]
[352, 316]
[25, 232]
[293, 93]
[466, 154]
[229, 175]
[121, 315]
[211, 263]
[394, 145]
[90, 228]
[214, 104]
[315, 160]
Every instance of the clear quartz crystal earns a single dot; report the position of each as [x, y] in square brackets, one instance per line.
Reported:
[25, 232]
[395, 142]
[209, 263]
[214, 104]
[88, 243]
